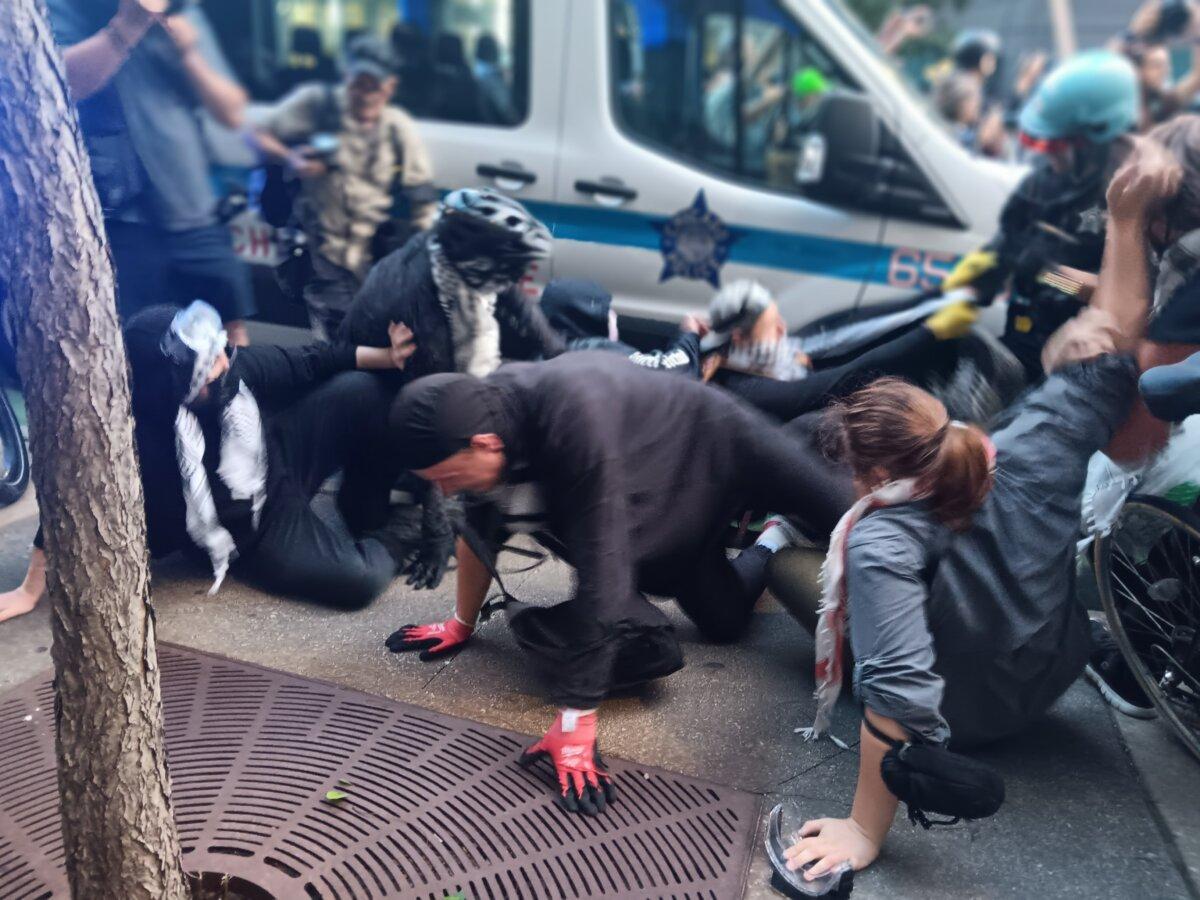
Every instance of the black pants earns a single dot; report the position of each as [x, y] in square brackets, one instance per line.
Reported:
[154, 266]
[339, 426]
[785, 473]
[718, 594]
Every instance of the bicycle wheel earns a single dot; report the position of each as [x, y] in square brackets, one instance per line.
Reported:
[1148, 573]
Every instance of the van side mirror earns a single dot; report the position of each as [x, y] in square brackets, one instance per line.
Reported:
[847, 157]
[840, 153]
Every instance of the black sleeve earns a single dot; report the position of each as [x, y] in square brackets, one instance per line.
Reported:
[683, 356]
[277, 375]
[524, 332]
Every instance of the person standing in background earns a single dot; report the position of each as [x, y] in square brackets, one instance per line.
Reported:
[145, 74]
[346, 198]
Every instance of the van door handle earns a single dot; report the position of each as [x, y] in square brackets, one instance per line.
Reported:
[607, 187]
[506, 171]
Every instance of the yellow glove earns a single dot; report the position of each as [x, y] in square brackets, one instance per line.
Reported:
[969, 269]
[953, 321]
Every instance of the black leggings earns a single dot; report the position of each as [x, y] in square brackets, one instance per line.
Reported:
[297, 553]
[716, 593]
[916, 355]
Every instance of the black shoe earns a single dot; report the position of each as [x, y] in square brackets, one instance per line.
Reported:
[1110, 673]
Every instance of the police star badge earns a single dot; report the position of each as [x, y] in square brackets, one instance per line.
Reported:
[695, 243]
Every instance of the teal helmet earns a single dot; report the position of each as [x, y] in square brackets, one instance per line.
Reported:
[1093, 95]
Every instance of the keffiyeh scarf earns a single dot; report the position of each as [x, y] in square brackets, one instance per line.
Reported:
[243, 457]
[831, 622]
[471, 314]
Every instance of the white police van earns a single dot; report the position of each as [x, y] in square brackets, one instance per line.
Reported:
[660, 141]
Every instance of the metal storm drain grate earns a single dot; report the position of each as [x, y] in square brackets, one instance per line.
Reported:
[435, 805]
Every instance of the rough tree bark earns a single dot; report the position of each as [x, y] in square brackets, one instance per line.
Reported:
[117, 822]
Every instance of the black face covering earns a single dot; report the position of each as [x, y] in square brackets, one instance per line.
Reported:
[931, 779]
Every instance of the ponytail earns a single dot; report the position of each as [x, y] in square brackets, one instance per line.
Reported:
[960, 476]
[891, 428]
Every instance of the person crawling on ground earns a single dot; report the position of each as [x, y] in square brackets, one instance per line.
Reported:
[630, 477]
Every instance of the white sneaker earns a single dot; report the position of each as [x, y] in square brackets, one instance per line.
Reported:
[779, 533]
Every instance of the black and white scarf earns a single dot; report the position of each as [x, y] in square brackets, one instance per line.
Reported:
[471, 314]
[243, 458]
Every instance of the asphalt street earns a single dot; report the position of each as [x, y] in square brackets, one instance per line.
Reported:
[1096, 808]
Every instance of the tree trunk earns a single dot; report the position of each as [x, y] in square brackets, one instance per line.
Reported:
[117, 823]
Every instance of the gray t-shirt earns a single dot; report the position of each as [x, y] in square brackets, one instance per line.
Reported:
[162, 113]
[976, 633]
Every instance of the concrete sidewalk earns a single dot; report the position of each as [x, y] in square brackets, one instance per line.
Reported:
[1094, 809]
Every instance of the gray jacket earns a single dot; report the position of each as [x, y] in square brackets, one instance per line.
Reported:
[978, 632]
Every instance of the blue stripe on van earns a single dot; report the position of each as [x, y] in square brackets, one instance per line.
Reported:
[830, 258]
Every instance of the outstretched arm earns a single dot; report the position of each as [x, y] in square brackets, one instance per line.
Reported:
[857, 840]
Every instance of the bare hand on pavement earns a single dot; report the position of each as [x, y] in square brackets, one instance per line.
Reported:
[828, 843]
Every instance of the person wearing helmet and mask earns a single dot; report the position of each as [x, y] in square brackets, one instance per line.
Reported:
[457, 289]
[1075, 123]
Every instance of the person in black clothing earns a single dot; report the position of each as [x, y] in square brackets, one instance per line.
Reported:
[581, 312]
[1076, 123]
[632, 478]
[748, 353]
[233, 445]
[457, 288]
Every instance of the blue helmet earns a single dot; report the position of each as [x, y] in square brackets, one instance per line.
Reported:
[1093, 95]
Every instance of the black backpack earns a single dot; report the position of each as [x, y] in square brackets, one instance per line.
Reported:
[928, 778]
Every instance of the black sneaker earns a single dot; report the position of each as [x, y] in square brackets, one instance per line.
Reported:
[1111, 675]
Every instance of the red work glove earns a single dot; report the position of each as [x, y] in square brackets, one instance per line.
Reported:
[432, 640]
[571, 746]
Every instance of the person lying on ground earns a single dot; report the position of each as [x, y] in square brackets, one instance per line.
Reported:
[633, 479]
[233, 445]
[953, 573]
[581, 312]
[747, 352]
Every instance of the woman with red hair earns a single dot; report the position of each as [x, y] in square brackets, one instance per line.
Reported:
[952, 575]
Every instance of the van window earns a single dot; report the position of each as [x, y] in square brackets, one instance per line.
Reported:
[711, 81]
[459, 60]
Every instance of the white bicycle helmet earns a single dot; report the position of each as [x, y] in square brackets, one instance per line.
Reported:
[489, 237]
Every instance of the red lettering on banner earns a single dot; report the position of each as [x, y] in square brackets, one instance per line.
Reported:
[260, 242]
